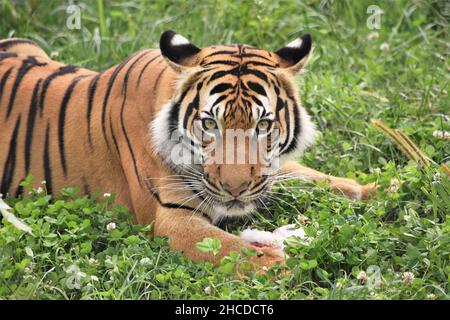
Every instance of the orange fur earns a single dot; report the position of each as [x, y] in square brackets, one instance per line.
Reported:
[113, 151]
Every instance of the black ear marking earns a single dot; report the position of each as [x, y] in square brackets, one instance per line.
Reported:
[175, 47]
[295, 51]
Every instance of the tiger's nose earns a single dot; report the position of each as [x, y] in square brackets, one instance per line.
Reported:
[236, 189]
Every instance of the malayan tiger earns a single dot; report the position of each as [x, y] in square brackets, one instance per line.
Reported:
[114, 131]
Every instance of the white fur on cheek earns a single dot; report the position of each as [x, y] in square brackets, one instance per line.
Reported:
[162, 143]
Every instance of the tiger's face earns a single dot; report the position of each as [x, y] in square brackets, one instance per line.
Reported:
[235, 117]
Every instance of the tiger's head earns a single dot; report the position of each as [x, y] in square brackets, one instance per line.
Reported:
[234, 118]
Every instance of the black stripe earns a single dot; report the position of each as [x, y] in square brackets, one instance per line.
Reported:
[171, 205]
[6, 55]
[30, 125]
[255, 72]
[3, 81]
[257, 101]
[192, 106]
[158, 78]
[257, 88]
[122, 122]
[253, 55]
[145, 67]
[112, 79]
[175, 112]
[261, 64]
[224, 62]
[87, 189]
[219, 100]
[287, 121]
[111, 127]
[9, 43]
[221, 87]
[219, 52]
[47, 163]
[10, 163]
[113, 135]
[19, 190]
[127, 75]
[91, 93]
[62, 120]
[27, 65]
[297, 128]
[61, 71]
[222, 73]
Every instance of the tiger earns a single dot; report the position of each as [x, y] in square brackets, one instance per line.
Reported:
[118, 131]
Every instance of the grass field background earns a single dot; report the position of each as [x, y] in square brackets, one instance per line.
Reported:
[396, 246]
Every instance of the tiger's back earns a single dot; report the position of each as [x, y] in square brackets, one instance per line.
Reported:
[59, 122]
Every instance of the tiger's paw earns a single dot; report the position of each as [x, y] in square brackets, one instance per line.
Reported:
[353, 190]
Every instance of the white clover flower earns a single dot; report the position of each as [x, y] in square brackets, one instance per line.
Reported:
[39, 190]
[373, 36]
[384, 46]
[107, 195]
[265, 268]
[436, 178]
[208, 289]
[431, 296]
[145, 260]
[408, 277]
[362, 276]
[43, 182]
[376, 170]
[394, 186]
[445, 135]
[93, 261]
[94, 278]
[110, 226]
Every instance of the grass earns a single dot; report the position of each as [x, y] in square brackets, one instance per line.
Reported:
[398, 74]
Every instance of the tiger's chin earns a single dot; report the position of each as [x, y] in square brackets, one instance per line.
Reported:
[232, 209]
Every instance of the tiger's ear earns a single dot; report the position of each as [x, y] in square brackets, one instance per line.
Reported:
[178, 51]
[295, 55]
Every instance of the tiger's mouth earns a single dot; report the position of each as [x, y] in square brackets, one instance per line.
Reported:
[225, 205]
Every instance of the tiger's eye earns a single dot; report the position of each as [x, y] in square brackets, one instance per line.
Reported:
[209, 124]
[264, 125]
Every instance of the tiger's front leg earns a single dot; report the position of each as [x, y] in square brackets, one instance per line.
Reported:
[185, 229]
[348, 187]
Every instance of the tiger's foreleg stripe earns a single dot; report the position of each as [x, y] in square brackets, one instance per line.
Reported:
[3, 81]
[30, 125]
[62, 119]
[10, 164]
[47, 163]
[61, 71]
